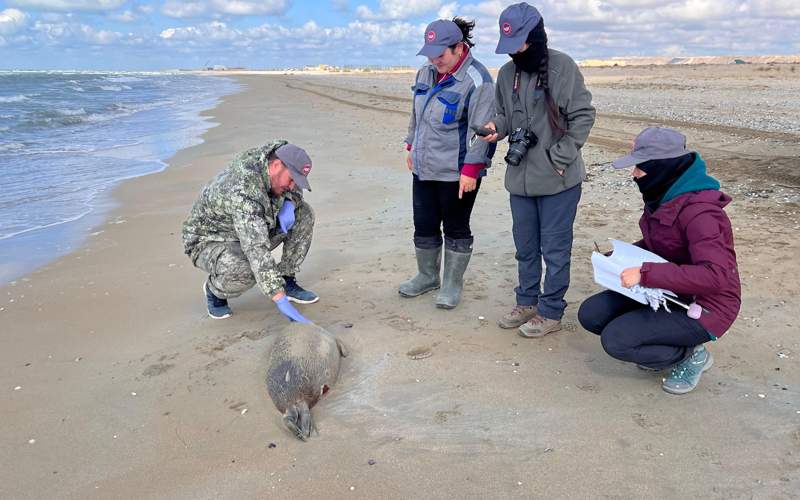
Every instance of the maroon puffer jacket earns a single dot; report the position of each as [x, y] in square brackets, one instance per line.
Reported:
[694, 234]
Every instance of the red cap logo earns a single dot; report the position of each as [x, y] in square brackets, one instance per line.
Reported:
[506, 28]
[431, 36]
[306, 169]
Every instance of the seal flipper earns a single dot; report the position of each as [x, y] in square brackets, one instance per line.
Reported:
[298, 420]
[306, 422]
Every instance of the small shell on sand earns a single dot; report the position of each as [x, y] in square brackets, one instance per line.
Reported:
[420, 352]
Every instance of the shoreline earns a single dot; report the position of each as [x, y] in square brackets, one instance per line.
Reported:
[43, 245]
[118, 385]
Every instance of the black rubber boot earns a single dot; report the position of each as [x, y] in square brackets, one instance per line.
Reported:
[456, 257]
[429, 262]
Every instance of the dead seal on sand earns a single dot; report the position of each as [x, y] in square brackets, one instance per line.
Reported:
[302, 366]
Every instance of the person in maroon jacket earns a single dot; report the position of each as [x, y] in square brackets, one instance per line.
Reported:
[683, 222]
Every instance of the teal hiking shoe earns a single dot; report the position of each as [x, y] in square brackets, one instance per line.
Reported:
[297, 293]
[685, 376]
[217, 308]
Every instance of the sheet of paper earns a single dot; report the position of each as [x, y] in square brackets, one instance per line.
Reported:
[625, 255]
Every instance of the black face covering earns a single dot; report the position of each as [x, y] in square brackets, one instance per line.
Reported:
[531, 59]
[661, 175]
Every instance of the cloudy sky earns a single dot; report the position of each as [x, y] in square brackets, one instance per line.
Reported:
[164, 34]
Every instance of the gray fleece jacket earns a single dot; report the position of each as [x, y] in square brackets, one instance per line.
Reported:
[537, 174]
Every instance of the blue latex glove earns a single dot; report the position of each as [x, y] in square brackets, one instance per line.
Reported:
[286, 216]
[288, 310]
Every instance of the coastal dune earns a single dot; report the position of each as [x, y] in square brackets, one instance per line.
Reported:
[116, 384]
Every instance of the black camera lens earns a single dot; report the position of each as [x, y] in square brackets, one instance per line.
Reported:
[519, 142]
[515, 154]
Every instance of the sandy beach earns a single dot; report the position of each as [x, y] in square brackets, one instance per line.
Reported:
[116, 384]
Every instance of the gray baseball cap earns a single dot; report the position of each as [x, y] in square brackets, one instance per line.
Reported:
[298, 163]
[654, 143]
[516, 21]
[439, 35]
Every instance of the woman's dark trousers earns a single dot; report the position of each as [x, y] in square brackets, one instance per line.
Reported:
[630, 331]
[543, 229]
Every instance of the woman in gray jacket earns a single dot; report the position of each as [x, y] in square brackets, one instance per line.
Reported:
[453, 93]
[544, 109]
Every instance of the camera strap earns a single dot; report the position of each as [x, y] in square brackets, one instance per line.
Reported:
[518, 77]
[516, 96]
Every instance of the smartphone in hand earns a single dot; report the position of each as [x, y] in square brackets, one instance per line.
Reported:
[483, 131]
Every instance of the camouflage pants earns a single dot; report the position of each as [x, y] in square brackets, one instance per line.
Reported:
[229, 272]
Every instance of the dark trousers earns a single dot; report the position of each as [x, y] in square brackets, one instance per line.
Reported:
[633, 332]
[543, 228]
[436, 206]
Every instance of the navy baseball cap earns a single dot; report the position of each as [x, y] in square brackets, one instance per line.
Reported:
[439, 35]
[516, 21]
[298, 163]
[654, 143]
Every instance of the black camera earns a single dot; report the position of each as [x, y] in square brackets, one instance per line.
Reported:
[519, 142]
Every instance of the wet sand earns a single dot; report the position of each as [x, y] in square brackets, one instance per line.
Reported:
[128, 390]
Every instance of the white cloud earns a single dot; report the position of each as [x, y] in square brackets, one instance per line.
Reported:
[11, 21]
[698, 10]
[448, 11]
[776, 8]
[370, 35]
[384, 34]
[673, 50]
[390, 31]
[63, 5]
[397, 9]
[125, 17]
[183, 9]
[341, 5]
[55, 17]
[99, 37]
[207, 34]
[70, 33]
[179, 9]
[244, 8]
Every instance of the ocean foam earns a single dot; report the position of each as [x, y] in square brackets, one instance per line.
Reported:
[14, 98]
[12, 146]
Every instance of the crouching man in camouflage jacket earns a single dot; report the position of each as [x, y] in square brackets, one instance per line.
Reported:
[250, 208]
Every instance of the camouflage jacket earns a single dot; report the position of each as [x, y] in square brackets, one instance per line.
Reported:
[237, 206]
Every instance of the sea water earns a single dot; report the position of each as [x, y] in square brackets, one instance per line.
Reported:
[67, 138]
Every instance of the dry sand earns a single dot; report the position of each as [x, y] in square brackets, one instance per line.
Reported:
[116, 384]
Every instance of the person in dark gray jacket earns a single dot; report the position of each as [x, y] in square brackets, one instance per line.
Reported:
[453, 94]
[544, 109]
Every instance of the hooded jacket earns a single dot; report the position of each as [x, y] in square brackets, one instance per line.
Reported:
[691, 230]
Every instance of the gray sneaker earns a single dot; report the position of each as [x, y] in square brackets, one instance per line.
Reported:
[685, 376]
[517, 317]
[539, 326]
